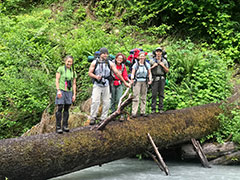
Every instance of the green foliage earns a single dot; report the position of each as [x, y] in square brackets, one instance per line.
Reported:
[197, 76]
[229, 127]
[34, 40]
[26, 62]
[216, 22]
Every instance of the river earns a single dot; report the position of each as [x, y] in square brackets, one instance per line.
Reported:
[134, 169]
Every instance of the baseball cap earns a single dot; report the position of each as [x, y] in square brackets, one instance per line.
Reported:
[158, 49]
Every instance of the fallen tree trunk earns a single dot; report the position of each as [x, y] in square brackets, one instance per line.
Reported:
[226, 153]
[49, 155]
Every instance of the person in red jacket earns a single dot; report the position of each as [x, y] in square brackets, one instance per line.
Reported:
[117, 87]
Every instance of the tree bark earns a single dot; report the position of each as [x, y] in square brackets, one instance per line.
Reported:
[226, 153]
[50, 155]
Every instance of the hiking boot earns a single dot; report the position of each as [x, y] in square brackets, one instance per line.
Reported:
[92, 122]
[161, 111]
[65, 129]
[153, 111]
[144, 115]
[133, 116]
[59, 131]
[121, 119]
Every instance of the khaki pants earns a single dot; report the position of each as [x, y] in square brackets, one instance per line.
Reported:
[139, 91]
[99, 93]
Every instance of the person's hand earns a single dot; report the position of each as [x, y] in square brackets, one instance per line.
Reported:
[98, 77]
[150, 82]
[132, 81]
[127, 84]
[59, 94]
[154, 65]
[161, 64]
[73, 98]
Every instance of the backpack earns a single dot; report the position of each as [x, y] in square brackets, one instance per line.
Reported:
[145, 65]
[109, 78]
[97, 55]
[164, 56]
[133, 57]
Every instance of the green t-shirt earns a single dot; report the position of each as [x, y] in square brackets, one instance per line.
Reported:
[68, 74]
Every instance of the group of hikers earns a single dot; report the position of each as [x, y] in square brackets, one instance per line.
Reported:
[108, 77]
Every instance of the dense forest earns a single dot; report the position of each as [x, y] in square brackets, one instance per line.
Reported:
[201, 38]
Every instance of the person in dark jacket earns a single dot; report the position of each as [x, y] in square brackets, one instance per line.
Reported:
[159, 68]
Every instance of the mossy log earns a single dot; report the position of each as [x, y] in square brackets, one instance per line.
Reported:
[49, 155]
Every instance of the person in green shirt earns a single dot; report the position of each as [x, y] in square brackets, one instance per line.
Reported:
[66, 93]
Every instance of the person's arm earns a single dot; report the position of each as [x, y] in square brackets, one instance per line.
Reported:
[153, 64]
[166, 69]
[125, 74]
[118, 74]
[74, 89]
[91, 73]
[149, 76]
[132, 75]
[59, 93]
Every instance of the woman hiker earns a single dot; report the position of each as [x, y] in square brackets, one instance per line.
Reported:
[141, 77]
[117, 86]
[66, 93]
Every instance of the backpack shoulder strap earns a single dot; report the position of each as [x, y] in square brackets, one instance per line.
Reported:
[108, 63]
[97, 62]
[145, 64]
[137, 67]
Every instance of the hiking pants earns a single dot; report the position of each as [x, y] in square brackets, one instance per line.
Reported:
[158, 92]
[139, 91]
[116, 95]
[65, 115]
[98, 94]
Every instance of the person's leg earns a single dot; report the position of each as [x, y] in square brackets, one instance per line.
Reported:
[66, 117]
[154, 95]
[59, 118]
[106, 95]
[96, 96]
[119, 92]
[113, 98]
[135, 101]
[161, 94]
[143, 97]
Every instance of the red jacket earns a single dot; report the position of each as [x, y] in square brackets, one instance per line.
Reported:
[123, 71]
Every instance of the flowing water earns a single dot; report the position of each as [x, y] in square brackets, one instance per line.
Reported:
[134, 169]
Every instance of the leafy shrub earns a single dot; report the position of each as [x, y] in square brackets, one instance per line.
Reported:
[32, 46]
[197, 76]
[229, 127]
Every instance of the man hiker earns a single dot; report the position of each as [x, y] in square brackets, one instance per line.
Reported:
[159, 68]
[100, 71]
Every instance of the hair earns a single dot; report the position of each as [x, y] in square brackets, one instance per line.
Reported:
[70, 57]
[142, 52]
[121, 54]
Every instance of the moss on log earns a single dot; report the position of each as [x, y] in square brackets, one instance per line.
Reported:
[49, 155]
